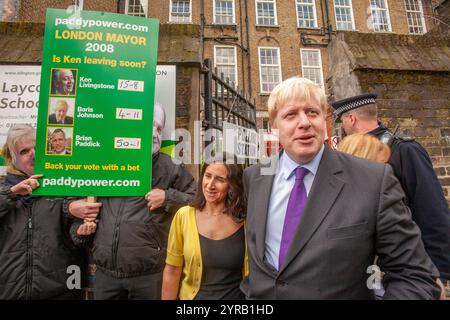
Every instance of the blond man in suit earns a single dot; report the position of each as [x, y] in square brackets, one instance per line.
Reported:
[316, 224]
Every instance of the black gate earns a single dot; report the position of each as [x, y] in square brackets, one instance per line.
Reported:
[223, 102]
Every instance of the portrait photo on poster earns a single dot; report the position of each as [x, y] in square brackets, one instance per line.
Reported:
[60, 111]
[59, 141]
[63, 82]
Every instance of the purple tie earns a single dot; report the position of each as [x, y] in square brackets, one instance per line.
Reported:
[296, 204]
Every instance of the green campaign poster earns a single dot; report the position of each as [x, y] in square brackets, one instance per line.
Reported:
[95, 117]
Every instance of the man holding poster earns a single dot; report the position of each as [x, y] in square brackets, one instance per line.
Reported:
[36, 253]
[130, 266]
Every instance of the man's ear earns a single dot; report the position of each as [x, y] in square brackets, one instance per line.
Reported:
[352, 119]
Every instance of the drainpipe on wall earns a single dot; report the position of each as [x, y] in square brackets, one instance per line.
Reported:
[322, 30]
[329, 26]
[326, 29]
[242, 45]
[249, 68]
[202, 28]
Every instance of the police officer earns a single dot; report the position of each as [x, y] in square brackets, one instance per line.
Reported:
[414, 170]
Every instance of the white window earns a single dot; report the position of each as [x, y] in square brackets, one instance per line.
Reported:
[269, 68]
[312, 65]
[344, 15]
[136, 8]
[414, 12]
[225, 62]
[180, 11]
[306, 14]
[224, 11]
[266, 12]
[380, 16]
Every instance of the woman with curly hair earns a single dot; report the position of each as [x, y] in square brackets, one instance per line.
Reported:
[206, 251]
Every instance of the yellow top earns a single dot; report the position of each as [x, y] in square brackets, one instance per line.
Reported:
[183, 250]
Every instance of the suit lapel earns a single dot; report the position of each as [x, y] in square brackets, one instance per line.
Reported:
[324, 191]
[263, 188]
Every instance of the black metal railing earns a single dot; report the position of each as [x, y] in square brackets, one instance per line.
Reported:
[224, 102]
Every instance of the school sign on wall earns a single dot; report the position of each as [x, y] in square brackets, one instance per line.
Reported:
[19, 92]
[94, 133]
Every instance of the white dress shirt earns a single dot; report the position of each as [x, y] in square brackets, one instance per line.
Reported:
[281, 189]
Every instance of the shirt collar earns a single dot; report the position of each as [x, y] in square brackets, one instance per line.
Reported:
[287, 165]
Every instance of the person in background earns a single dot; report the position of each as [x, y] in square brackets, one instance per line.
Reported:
[368, 147]
[365, 146]
[35, 247]
[206, 251]
[129, 246]
[315, 225]
[413, 168]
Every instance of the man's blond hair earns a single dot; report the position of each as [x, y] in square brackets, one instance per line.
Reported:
[295, 88]
[62, 103]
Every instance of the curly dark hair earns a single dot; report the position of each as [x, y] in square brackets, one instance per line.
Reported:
[235, 201]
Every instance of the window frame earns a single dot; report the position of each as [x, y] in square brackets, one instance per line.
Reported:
[260, 68]
[274, 12]
[171, 18]
[422, 18]
[235, 62]
[351, 16]
[322, 85]
[314, 12]
[127, 7]
[234, 13]
[388, 16]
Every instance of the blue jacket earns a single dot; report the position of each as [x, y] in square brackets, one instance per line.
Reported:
[414, 169]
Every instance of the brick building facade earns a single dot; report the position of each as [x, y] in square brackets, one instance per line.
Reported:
[258, 43]
[413, 87]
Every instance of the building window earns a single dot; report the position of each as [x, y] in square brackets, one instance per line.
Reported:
[225, 62]
[180, 11]
[269, 68]
[414, 12]
[136, 8]
[344, 15]
[380, 16]
[266, 12]
[224, 11]
[312, 65]
[306, 14]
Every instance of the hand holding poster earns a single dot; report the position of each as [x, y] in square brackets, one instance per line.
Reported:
[95, 119]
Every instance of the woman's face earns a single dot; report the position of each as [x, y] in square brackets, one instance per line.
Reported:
[215, 183]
